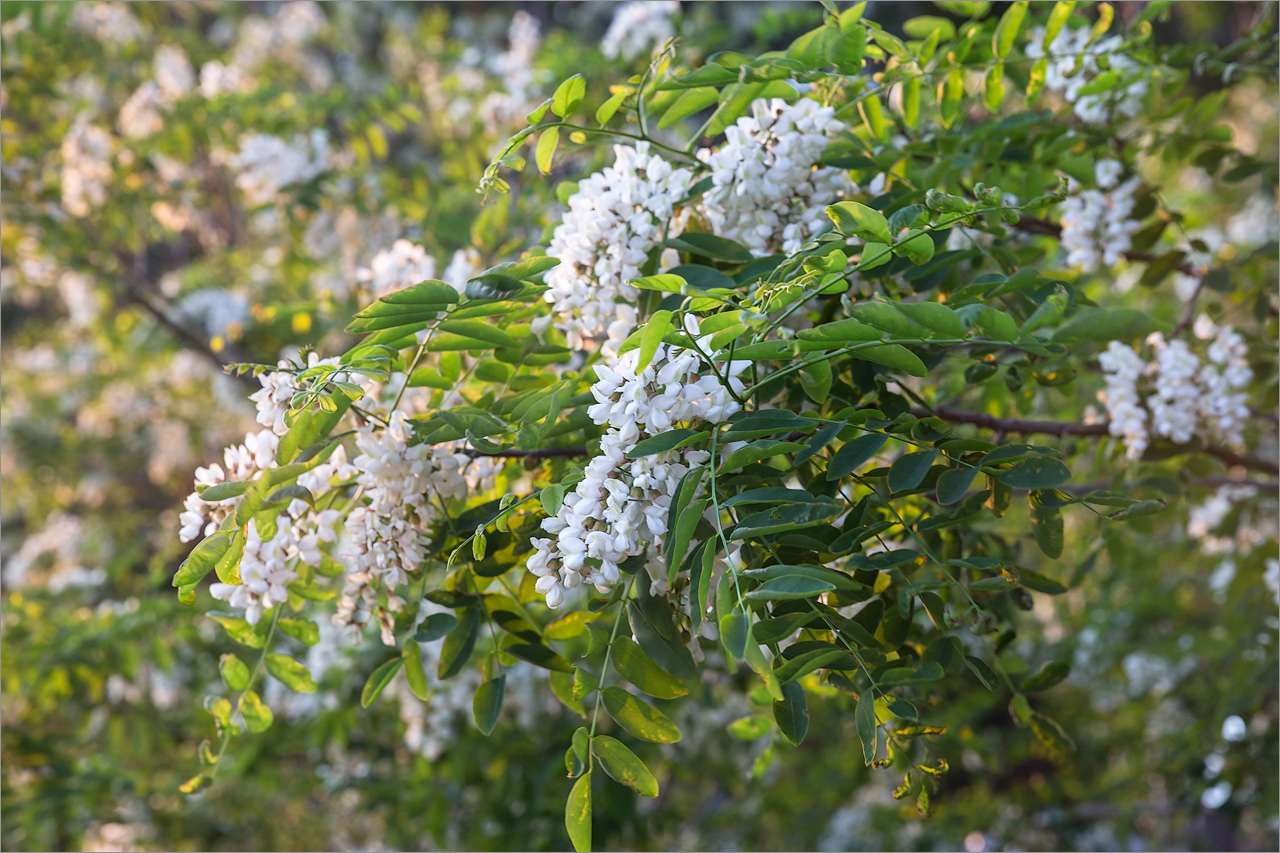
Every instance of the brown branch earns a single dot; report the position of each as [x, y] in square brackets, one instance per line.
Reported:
[1060, 428]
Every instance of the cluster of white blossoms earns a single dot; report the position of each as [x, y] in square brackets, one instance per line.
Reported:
[267, 164]
[1072, 63]
[106, 22]
[639, 27]
[274, 399]
[520, 79]
[143, 113]
[1097, 226]
[405, 484]
[86, 167]
[240, 462]
[619, 508]
[616, 217]
[406, 263]
[767, 192]
[1186, 394]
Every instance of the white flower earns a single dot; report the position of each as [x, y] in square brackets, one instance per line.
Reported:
[767, 193]
[639, 27]
[173, 73]
[402, 265]
[1073, 63]
[274, 399]
[1108, 173]
[267, 164]
[1096, 227]
[86, 167]
[140, 115]
[1175, 403]
[614, 220]
[1121, 366]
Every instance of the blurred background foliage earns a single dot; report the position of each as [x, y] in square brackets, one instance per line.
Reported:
[123, 295]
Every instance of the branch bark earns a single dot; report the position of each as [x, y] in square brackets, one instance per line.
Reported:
[540, 453]
[1061, 428]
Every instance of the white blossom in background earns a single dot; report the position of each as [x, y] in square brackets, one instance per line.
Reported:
[402, 265]
[463, 266]
[1257, 224]
[616, 217]
[106, 22]
[173, 72]
[267, 164]
[218, 79]
[1097, 228]
[1175, 404]
[1122, 367]
[86, 167]
[220, 312]
[639, 27]
[767, 192]
[1073, 63]
[140, 116]
[620, 506]
[515, 70]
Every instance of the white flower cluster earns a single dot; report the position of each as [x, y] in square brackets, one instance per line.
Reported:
[142, 114]
[106, 22]
[614, 220]
[86, 167]
[768, 194]
[402, 265]
[274, 399]
[385, 538]
[1073, 63]
[519, 77]
[1096, 226]
[242, 462]
[620, 506]
[268, 164]
[1186, 394]
[638, 27]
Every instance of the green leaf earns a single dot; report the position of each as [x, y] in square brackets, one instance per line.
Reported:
[487, 702]
[1061, 12]
[609, 108]
[1051, 674]
[633, 665]
[639, 718]
[892, 355]
[954, 483]
[909, 470]
[379, 679]
[577, 814]
[916, 246]
[854, 454]
[295, 675]
[546, 149]
[651, 335]
[1007, 30]
[414, 673]
[735, 632]
[785, 519]
[202, 559]
[856, 219]
[664, 442]
[623, 765]
[935, 317]
[302, 630]
[847, 50]
[235, 673]
[753, 727]
[757, 451]
[435, 626]
[788, 588]
[459, 643]
[257, 716]
[1046, 524]
[841, 331]
[672, 655]
[1038, 472]
[792, 713]
[538, 655]
[864, 719]
[568, 96]
[1109, 324]
[710, 246]
[690, 101]
[1138, 510]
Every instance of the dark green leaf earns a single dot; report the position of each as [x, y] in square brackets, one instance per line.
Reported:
[623, 765]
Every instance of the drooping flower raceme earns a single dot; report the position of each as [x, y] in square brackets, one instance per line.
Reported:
[1122, 367]
[767, 192]
[638, 28]
[1097, 226]
[1223, 380]
[620, 507]
[614, 220]
[1072, 63]
[1176, 401]
[86, 167]
[240, 462]
[274, 399]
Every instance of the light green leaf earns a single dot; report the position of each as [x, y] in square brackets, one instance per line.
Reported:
[639, 718]
[379, 679]
[257, 716]
[294, 674]
[577, 814]
[624, 766]
[568, 96]
[546, 149]
[856, 219]
[413, 670]
[235, 673]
